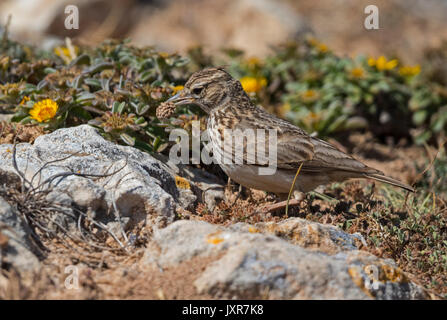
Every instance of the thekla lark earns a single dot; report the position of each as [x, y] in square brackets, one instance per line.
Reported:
[229, 107]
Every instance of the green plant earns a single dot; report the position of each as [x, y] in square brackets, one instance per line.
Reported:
[114, 86]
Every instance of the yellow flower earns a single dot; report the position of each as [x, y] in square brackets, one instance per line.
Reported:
[282, 110]
[410, 71]
[177, 89]
[311, 119]
[312, 41]
[382, 63]
[253, 62]
[65, 54]
[44, 110]
[62, 51]
[24, 100]
[321, 47]
[314, 116]
[252, 84]
[309, 95]
[357, 72]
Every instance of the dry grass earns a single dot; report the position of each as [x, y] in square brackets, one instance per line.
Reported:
[10, 132]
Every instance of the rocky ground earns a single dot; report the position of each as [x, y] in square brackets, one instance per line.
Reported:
[136, 226]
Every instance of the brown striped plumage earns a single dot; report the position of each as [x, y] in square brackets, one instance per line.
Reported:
[229, 107]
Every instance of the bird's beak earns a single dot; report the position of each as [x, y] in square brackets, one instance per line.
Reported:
[181, 98]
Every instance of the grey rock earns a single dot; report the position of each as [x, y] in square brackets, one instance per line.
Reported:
[5, 117]
[141, 186]
[206, 187]
[251, 264]
[19, 251]
[321, 237]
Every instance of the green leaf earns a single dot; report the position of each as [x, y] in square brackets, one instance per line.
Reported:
[49, 70]
[85, 96]
[80, 60]
[128, 139]
[422, 138]
[80, 113]
[99, 67]
[115, 106]
[92, 82]
[120, 108]
[142, 109]
[419, 117]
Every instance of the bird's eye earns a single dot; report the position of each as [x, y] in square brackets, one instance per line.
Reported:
[197, 90]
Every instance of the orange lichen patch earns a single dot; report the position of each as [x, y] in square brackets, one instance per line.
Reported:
[215, 237]
[214, 240]
[312, 236]
[182, 183]
[385, 273]
[358, 280]
[392, 274]
[253, 230]
[305, 235]
[3, 240]
[356, 277]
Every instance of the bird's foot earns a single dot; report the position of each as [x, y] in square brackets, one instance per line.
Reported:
[280, 205]
[297, 198]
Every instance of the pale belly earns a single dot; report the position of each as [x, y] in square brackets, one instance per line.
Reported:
[279, 182]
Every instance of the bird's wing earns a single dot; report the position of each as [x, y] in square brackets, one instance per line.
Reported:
[328, 158]
[293, 145]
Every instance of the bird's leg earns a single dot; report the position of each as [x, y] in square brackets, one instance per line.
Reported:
[229, 183]
[230, 189]
[298, 197]
[239, 192]
[250, 195]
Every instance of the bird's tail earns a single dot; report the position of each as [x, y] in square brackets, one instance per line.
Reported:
[394, 182]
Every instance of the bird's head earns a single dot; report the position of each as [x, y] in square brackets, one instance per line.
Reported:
[209, 88]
